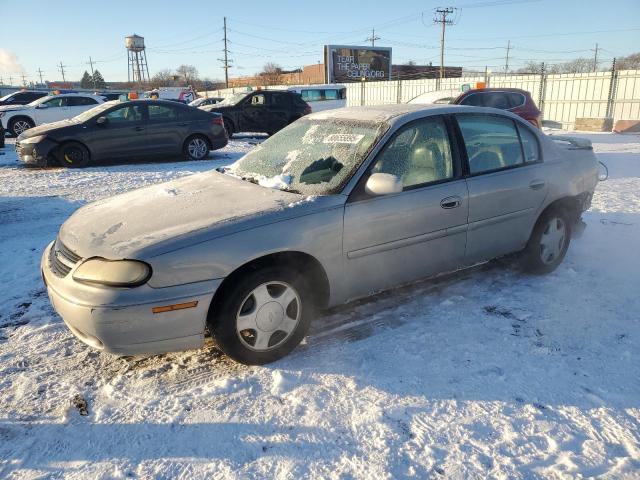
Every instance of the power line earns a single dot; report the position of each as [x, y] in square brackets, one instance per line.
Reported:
[372, 38]
[442, 19]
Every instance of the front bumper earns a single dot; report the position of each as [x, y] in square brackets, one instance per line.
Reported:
[121, 321]
[35, 154]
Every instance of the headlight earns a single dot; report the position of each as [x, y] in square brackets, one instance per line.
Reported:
[114, 273]
[36, 139]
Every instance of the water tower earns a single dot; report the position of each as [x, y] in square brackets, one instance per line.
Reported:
[137, 70]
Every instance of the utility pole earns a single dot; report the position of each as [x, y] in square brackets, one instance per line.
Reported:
[441, 17]
[10, 80]
[372, 38]
[24, 81]
[595, 58]
[62, 71]
[93, 78]
[506, 62]
[226, 55]
[40, 74]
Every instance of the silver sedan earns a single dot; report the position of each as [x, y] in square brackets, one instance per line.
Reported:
[337, 206]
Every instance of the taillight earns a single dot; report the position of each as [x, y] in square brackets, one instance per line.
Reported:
[534, 122]
[218, 121]
[307, 110]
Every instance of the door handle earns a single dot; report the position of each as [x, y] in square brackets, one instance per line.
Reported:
[138, 129]
[451, 202]
[537, 184]
[183, 124]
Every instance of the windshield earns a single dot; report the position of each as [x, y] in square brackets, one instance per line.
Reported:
[6, 97]
[312, 157]
[234, 99]
[40, 100]
[92, 112]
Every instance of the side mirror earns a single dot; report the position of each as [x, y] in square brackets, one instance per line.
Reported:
[42, 105]
[102, 121]
[383, 184]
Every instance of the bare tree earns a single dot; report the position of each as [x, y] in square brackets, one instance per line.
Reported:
[188, 74]
[163, 78]
[630, 62]
[271, 73]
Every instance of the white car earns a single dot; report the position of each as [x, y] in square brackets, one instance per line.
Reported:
[52, 108]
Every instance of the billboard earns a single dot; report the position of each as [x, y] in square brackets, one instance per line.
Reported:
[348, 63]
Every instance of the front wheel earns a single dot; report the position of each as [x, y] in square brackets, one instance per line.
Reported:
[73, 155]
[549, 242]
[262, 317]
[19, 125]
[196, 148]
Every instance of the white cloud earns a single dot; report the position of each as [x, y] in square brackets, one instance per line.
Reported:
[9, 63]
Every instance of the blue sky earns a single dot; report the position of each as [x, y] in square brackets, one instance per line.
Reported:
[292, 33]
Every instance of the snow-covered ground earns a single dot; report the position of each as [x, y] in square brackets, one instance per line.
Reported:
[487, 373]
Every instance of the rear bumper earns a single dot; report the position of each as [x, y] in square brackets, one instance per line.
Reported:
[217, 143]
[121, 321]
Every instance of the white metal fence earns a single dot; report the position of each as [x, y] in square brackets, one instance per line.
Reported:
[562, 98]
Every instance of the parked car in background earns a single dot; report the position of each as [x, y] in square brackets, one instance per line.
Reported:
[109, 96]
[1, 136]
[336, 206]
[132, 129]
[201, 102]
[22, 97]
[177, 94]
[512, 99]
[322, 97]
[260, 111]
[51, 108]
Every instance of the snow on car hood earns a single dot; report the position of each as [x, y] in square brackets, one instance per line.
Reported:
[126, 225]
[45, 128]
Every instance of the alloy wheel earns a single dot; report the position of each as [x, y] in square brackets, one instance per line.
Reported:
[197, 148]
[20, 126]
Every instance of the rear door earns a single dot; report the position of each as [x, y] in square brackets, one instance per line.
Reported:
[280, 110]
[397, 238]
[122, 135]
[77, 105]
[52, 110]
[254, 116]
[168, 127]
[506, 184]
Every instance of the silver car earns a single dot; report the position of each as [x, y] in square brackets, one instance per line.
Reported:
[337, 206]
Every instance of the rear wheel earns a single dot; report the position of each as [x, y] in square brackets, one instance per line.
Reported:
[228, 126]
[196, 147]
[19, 125]
[73, 155]
[549, 242]
[262, 316]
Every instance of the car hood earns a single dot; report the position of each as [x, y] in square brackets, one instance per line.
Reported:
[46, 128]
[168, 216]
[11, 108]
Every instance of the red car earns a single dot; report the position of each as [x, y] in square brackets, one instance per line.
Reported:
[511, 99]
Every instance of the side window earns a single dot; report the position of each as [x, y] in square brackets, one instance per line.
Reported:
[279, 100]
[81, 101]
[32, 96]
[257, 100]
[419, 154]
[529, 145]
[56, 102]
[492, 142]
[474, 99]
[20, 97]
[312, 95]
[162, 113]
[497, 100]
[516, 100]
[125, 114]
[331, 94]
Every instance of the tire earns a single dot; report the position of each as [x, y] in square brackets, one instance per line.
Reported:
[19, 125]
[549, 242]
[196, 147]
[73, 155]
[262, 316]
[228, 126]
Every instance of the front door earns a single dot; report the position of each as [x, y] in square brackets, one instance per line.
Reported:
[397, 238]
[52, 110]
[254, 116]
[506, 184]
[122, 135]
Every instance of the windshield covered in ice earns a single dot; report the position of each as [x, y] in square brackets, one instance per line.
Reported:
[312, 157]
[233, 99]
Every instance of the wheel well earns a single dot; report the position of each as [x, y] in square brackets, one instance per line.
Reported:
[229, 121]
[20, 117]
[571, 205]
[301, 263]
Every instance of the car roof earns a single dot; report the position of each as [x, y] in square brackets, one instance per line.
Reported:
[400, 112]
[495, 89]
[79, 94]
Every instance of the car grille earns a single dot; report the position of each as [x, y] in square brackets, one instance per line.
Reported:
[61, 259]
